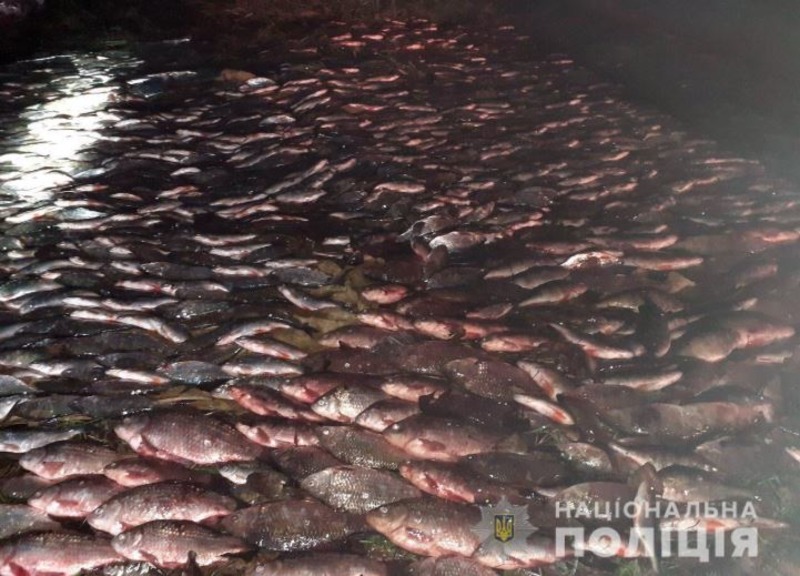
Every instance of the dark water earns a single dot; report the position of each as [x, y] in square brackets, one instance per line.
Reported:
[392, 243]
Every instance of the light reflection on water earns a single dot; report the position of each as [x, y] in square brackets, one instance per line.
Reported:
[60, 123]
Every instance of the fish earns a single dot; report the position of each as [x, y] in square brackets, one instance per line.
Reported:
[666, 423]
[185, 438]
[139, 470]
[64, 459]
[453, 481]
[168, 544]
[323, 564]
[56, 553]
[422, 286]
[23, 441]
[379, 416]
[18, 519]
[277, 434]
[521, 470]
[361, 447]
[357, 490]
[291, 526]
[159, 501]
[346, 402]
[76, 497]
[448, 566]
[429, 527]
[432, 438]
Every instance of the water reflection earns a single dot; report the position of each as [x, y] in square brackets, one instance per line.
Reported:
[58, 109]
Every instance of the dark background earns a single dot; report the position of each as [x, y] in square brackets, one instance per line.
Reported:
[728, 68]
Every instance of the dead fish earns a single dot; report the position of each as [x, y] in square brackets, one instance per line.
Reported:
[448, 566]
[17, 519]
[361, 448]
[539, 276]
[357, 490]
[139, 470]
[554, 292]
[596, 347]
[661, 261]
[537, 551]
[291, 526]
[346, 402]
[304, 301]
[56, 553]
[266, 402]
[161, 501]
[521, 470]
[279, 434]
[168, 543]
[452, 481]
[76, 497]
[322, 564]
[379, 416]
[63, 459]
[587, 459]
[429, 527]
[23, 440]
[691, 422]
[646, 381]
[272, 348]
[490, 378]
[549, 380]
[259, 366]
[386, 294]
[301, 461]
[433, 438]
[194, 372]
[684, 486]
[185, 438]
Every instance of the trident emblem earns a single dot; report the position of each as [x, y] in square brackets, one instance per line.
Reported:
[504, 527]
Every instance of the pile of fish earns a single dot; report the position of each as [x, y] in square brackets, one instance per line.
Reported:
[314, 322]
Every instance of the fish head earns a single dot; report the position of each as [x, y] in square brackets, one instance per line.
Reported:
[132, 426]
[33, 460]
[38, 500]
[104, 517]
[127, 542]
[387, 519]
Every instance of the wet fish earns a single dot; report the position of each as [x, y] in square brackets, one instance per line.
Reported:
[64, 459]
[433, 438]
[22, 441]
[56, 553]
[448, 566]
[429, 527]
[277, 434]
[672, 423]
[185, 438]
[138, 470]
[291, 526]
[76, 497]
[160, 501]
[17, 519]
[361, 448]
[167, 544]
[321, 564]
[452, 481]
[356, 489]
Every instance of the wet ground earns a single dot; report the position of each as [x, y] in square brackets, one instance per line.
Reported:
[308, 320]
